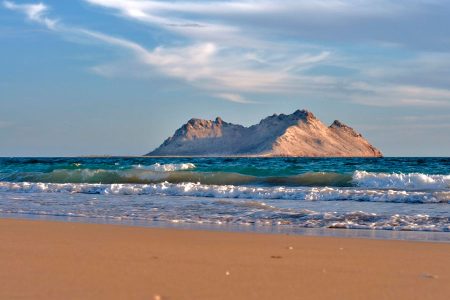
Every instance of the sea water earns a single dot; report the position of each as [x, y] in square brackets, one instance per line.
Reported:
[386, 194]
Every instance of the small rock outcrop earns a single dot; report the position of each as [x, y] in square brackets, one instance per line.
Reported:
[297, 134]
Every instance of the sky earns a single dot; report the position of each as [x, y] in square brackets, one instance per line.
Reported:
[117, 77]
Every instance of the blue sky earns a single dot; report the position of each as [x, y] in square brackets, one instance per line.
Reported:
[117, 77]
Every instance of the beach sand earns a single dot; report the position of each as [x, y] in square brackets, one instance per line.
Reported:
[62, 260]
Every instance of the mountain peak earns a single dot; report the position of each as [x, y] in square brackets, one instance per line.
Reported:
[288, 120]
[338, 125]
[296, 134]
[198, 122]
[304, 114]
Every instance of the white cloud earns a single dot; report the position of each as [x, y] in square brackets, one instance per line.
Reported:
[209, 65]
[157, 13]
[399, 95]
[234, 98]
[231, 48]
[428, 118]
[34, 12]
[336, 20]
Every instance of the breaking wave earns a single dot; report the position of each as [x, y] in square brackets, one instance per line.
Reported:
[162, 173]
[409, 181]
[185, 173]
[387, 194]
[166, 167]
[232, 191]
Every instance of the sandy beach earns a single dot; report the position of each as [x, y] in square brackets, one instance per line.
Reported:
[61, 260]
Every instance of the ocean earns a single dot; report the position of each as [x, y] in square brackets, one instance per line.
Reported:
[265, 194]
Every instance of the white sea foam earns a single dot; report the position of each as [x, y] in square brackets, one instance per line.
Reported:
[364, 220]
[409, 181]
[220, 211]
[231, 191]
[166, 167]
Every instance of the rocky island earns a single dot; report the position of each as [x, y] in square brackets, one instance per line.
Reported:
[297, 134]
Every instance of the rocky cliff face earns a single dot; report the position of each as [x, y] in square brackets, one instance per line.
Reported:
[297, 134]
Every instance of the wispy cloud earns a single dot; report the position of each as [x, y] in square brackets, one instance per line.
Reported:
[239, 47]
[436, 118]
[335, 20]
[34, 12]
[208, 65]
[234, 98]
[399, 95]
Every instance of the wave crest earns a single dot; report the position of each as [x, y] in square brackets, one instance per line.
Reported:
[408, 181]
[166, 167]
[231, 191]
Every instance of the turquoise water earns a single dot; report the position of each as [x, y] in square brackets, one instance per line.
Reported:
[356, 193]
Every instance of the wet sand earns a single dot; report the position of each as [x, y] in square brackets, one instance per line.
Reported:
[62, 260]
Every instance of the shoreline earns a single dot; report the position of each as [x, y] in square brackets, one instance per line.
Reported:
[371, 234]
[54, 260]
